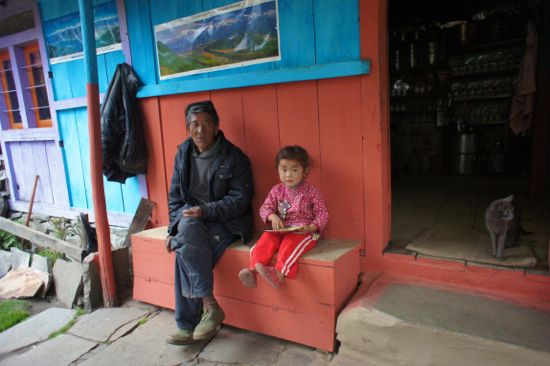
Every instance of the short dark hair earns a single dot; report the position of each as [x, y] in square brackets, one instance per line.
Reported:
[205, 106]
[294, 152]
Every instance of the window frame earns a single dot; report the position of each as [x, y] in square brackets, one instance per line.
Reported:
[4, 90]
[32, 86]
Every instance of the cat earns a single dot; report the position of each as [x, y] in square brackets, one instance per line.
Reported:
[503, 223]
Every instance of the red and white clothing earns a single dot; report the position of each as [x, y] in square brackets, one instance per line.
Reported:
[297, 206]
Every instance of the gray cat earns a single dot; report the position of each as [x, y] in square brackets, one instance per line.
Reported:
[502, 221]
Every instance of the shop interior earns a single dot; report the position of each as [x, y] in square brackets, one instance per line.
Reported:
[461, 131]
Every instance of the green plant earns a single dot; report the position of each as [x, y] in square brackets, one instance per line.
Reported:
[51, 254]
[8, 240]
[63, 227]
[142, 320]
[13, 312]
[79, 312]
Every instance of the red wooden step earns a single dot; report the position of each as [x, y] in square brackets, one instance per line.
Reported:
[304, 310]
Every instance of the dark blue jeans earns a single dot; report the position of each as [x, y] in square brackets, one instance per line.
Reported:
[198, 246]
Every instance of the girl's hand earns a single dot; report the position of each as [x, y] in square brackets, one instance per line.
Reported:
[276, 222]
[311, 228]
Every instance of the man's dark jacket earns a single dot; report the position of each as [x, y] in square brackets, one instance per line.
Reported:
[122, 136]
[230, 189]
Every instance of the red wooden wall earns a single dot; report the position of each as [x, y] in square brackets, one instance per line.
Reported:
[323, 116]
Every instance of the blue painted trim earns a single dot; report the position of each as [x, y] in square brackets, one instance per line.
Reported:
[332, 70]
[88, 40]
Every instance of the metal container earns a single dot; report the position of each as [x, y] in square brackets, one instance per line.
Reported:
[465, 143]
[463, 153]
[464, 164]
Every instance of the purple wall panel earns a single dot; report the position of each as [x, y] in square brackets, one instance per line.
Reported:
[27, 172]
[40, 158]
[21, 171]
[57, 175]
[30, 158]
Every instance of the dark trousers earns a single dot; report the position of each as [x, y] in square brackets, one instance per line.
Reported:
[198, 246]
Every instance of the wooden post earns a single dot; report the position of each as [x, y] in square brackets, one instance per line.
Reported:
[29, 214]
[96, 159]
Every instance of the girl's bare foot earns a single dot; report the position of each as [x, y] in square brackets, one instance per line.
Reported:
[269, 274]
[248, 278]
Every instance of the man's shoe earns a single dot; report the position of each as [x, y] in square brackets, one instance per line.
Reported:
[210, 323]
[181, 337]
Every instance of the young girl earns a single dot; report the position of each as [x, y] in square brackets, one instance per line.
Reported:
[297, 213]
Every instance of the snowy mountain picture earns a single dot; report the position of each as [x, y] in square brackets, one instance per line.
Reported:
[64, 35]
[239, 34]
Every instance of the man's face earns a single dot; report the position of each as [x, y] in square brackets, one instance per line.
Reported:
[202, 130]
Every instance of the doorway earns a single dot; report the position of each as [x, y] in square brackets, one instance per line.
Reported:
[454, 68]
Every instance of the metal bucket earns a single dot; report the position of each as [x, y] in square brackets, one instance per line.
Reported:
[463, 154]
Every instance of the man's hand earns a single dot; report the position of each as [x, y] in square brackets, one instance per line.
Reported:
[195, 211]
[276, 222]
[167, 243]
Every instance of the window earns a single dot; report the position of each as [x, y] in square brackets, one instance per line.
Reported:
[9, 91]
[37, 86]
[22, 80]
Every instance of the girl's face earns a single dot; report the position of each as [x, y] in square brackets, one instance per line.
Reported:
[291, 172]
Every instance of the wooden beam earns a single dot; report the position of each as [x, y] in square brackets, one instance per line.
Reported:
[40, 239]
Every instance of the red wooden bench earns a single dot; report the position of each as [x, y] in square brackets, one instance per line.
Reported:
[303, 310]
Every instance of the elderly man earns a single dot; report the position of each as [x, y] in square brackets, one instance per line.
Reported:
[209, 204]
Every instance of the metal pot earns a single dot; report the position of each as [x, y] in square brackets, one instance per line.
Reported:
[465, 143]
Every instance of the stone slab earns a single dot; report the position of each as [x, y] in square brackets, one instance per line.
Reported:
[60, 351]
[5, 262]
[67, 277]
[91, 281]
[19, 258]
[42, 263]
[24, 282]
[102, 324]
[34, 329]
[399, 324]
[235, 346]
[468, 314]
[146, 346]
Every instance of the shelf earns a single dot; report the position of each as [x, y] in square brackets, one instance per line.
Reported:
[486, 73]
[487, 46]
[480, 99]
[424, 68]
[413, 96]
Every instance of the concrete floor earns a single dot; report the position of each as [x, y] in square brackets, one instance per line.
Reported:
[420, 202]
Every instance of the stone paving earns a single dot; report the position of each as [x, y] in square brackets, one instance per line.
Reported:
[134, 335]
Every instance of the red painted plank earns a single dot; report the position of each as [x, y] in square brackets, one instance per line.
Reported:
[262, 140]
[314, 284]
[152, 262]
[172, 116]
[375, 118]
[229, 103]
[156, 173]
[299, 122]
[153, 292]
[346, 270]
[302, 328]
[342, 155]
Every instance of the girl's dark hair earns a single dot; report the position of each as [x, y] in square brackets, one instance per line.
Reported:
[205, 106]
[295, 152]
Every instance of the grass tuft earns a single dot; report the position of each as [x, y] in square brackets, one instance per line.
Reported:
[79, 312]
[13, 312]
